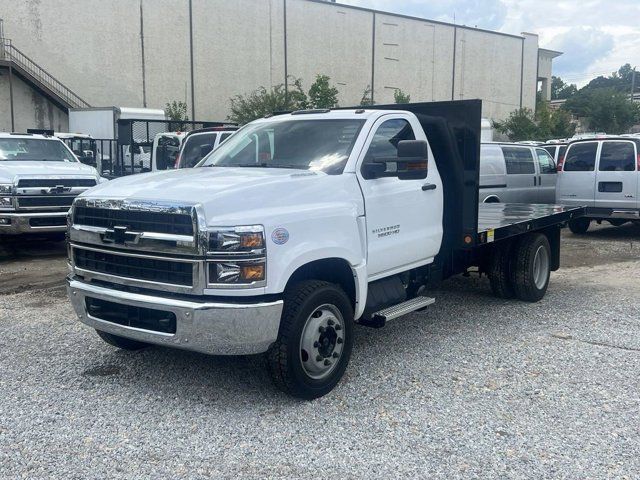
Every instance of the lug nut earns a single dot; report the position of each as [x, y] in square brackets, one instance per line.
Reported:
[327, 363]
[338, 327]
[321, 329]
[335, 355]
[316, 344]
[339, 341]
[330, 322]
[318, 358]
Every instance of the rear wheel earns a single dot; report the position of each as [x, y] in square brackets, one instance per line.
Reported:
[579, 225]
[531, 267]
[121, 342]
[617, 222]
[499, 271]
[315, 340]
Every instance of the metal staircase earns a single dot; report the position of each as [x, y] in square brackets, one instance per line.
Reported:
[37, 77]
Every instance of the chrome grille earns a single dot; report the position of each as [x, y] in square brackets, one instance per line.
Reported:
[143, 221]
[136, 267]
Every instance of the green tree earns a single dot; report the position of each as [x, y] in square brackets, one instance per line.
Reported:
[607, 109]
[176, 110]
[322, 94]
[519, 126]
[561, 90]
[552, 123]
[400, 97]
[263, 101]
[367, 97]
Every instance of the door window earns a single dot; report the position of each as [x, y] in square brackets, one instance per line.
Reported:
[545, 161]
[617, 157]
[519, 160]
[581, 157]
[385, 141]
[551, 149]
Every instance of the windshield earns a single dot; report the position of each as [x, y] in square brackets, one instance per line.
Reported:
[34, 149]
[196, 147]
[323, 145]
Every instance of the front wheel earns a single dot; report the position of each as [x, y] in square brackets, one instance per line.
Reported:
[314, 343]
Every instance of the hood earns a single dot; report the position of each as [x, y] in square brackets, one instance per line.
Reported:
[229, 195]
[10, 170]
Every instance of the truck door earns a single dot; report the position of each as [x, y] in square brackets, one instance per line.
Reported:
[616, 178]
[404, 221]
[576, 181]
[522, 177]
[547, 176]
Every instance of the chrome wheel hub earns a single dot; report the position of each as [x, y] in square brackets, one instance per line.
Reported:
[322, 341]
[540, 267]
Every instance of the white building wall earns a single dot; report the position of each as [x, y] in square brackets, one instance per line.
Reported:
[234, 44]
[488, 66]
[414, 56]
[95, 48]
[324, 39]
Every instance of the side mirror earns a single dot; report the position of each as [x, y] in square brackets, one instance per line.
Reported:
[413, 159]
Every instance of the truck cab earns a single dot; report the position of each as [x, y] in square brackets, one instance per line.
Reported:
[297, 227]
[39, 179]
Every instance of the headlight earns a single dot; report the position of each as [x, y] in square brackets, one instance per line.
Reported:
[239, 272]
[6, 202]
[237, 257]
[6, 189]
[237, 239]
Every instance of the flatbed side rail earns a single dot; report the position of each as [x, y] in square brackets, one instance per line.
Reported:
[501, 221]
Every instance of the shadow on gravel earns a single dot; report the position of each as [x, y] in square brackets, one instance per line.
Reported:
[606, 231]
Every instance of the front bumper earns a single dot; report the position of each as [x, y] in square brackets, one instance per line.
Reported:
[16, 223]
[209, 327]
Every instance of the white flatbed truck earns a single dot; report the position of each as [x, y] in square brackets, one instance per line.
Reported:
[297, 227]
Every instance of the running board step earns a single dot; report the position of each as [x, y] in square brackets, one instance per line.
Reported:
[379, 318]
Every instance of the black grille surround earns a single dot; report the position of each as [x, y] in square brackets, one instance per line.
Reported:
[135, 267]
[136, 220]
[48, 221]
[54, 182]
[45, 201]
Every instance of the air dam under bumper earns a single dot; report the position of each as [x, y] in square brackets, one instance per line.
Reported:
[208, 327]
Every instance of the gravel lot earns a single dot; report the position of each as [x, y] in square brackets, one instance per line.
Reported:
[473, 387]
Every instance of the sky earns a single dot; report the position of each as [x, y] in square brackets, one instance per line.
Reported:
[596, 36]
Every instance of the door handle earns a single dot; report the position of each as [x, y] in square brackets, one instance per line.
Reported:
[535, 179]
[429, 186]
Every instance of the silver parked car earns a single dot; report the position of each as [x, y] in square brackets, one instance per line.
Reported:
[602, 175]
[516, 173]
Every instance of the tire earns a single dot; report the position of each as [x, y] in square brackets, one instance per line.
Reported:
[579, 226]
[121, 342]
[297, 367]
[617, 222]
[531, 267]
[500, 272]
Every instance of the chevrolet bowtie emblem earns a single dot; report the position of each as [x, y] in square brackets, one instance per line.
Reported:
[120, 236]
[57, 189]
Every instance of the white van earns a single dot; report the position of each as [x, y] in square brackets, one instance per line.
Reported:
[602, 175]
[516, 173]
[200, 143]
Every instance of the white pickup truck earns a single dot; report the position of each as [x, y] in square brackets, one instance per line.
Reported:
[296, 228]
[39, 179]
